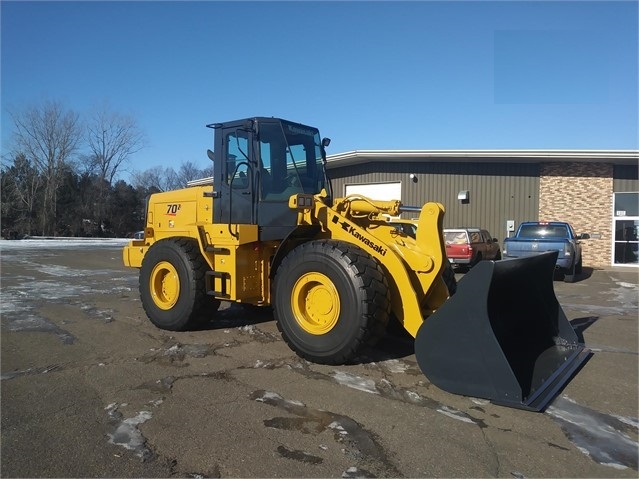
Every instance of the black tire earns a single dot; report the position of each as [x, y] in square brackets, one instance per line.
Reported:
[448, 275]
[172, 285]
[331, 300]
[579, 267]
[569, 276]
[477, 259]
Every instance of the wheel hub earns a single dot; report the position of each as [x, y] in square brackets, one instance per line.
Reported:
[315, 303]
[165, 285]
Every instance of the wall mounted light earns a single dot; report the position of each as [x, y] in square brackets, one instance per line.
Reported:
[464, 196]
[413, 177]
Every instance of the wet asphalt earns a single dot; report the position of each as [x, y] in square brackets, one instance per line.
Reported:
[90, 388]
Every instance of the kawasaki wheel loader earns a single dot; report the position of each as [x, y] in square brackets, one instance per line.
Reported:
[266, 230]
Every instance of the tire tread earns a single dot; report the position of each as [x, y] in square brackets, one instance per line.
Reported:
[374, 289]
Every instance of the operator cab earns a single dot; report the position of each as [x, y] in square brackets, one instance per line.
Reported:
[264, 162]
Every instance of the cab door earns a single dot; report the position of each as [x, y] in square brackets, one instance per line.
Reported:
[234, 176]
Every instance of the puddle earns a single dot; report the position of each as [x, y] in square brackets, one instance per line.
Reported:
[32, 323]
[103, 315]
[163, 385]
[387, 389]
[174, 354]
[28, 372]
[382, 387]
[608, 440]
[624, 300]
[356, 440]
[298, 455]
[257, 334]
[354, 382]
[627, 294]
[126, 433]
[355, 472]
[65, 271]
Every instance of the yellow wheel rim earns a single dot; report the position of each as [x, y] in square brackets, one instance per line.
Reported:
[165, 285]
[315, 303]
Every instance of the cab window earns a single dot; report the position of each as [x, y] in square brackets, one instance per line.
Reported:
[236, 166]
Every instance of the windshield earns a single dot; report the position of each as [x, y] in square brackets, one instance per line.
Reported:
[291, 156]
[543, 231]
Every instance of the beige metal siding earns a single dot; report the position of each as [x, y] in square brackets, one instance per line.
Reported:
[498, 191]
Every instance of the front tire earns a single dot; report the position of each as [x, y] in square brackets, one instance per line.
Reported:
[570, 276]
[172, 285]
[331, 300]
[448, 275]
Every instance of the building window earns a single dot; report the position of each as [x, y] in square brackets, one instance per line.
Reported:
[626, 229]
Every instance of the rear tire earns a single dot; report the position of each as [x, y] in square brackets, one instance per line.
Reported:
[474, 262]
[172, 285]
[331, 300]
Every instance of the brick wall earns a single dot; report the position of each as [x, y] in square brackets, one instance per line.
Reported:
[581, 194]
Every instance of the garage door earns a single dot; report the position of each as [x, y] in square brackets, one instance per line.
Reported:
[376, 191]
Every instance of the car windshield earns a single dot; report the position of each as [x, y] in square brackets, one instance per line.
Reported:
[543, 231]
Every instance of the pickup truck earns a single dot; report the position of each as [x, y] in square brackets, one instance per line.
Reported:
[465, 247]
[535, 237]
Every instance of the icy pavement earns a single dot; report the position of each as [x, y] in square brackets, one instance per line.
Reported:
[46, 242]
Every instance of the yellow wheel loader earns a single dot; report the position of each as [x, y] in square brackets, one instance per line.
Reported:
[267, 231]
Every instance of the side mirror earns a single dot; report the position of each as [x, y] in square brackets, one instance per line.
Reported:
[210, 154]
[583, 236]
[326, 142]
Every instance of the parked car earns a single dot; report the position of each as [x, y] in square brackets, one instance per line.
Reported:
[533, 237]
[465, 247]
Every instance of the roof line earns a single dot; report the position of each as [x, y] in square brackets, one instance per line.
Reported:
[519, 153]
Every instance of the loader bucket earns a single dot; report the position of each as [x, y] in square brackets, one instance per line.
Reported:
[502, 336]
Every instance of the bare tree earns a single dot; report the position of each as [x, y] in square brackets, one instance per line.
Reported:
[156, 178]
[187, 172]
[112, 139]
[48, 136]
[166, 179]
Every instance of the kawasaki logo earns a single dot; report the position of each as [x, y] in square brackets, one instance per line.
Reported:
[356, 234]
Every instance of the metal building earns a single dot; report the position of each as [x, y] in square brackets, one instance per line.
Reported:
[596, 191]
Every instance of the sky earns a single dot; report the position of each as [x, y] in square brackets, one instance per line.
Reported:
[371, 75]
